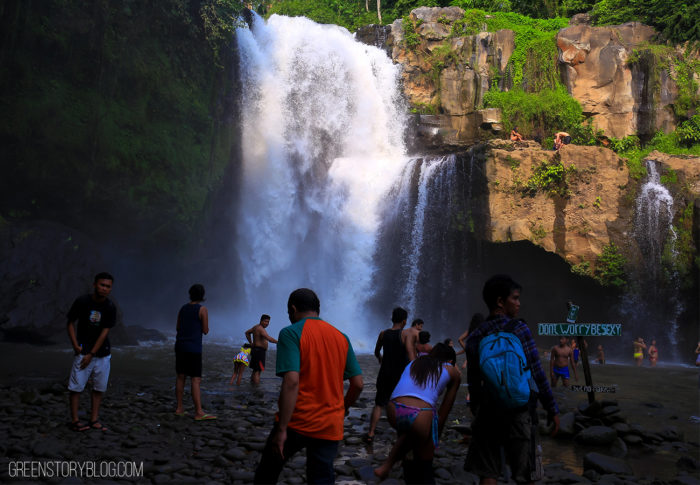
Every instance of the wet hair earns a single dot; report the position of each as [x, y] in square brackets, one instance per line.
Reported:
[417, 321]
[426, 369]
[398, 315]
[476, 321]
[423, 337]
[103, 276]
[197, 292]
[498, 286]
[246, 345]
[566, 140]
[304, 300]
[447, 341]
[264, 316]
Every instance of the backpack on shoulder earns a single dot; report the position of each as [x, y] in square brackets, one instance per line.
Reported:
[504, 367]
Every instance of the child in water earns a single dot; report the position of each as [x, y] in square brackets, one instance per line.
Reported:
[240, 362]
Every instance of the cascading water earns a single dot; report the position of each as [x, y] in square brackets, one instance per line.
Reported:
[656, 238]
[322, 128]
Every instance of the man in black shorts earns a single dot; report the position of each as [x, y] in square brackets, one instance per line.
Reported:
[259, 342]
[397, 354]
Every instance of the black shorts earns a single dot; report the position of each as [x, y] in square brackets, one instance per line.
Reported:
[257, 359]
[386, 382]
[188, 363]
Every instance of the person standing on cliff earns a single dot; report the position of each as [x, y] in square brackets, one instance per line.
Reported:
[392, 352]
[192, 323]
[495, 428]
[89, 320]
[313, 359]
[258, 337]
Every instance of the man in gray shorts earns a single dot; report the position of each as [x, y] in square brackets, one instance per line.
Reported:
[89, 320]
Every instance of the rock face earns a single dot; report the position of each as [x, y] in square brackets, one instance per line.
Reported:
[618, 95]
[589, 212]
[447, 76]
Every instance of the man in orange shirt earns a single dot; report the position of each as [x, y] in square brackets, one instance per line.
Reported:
[313, 359]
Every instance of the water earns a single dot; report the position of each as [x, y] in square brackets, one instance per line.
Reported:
[322, 128]
[659, 293]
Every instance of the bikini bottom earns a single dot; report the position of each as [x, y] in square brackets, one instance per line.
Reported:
[406, 415]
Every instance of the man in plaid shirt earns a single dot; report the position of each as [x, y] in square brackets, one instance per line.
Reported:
[494, 426]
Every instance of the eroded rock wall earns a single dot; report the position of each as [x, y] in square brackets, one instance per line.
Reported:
[623, 98]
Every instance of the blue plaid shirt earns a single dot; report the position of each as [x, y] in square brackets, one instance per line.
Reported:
[492, 325]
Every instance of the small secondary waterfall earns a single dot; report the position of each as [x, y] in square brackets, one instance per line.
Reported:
[656, 238]
[427, 251]
[322, 127]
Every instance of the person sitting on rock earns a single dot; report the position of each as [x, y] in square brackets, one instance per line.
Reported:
[514, 135]
[561, 138]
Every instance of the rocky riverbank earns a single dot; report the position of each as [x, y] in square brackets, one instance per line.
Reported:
[644, 434]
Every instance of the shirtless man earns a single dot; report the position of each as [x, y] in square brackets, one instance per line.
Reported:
[639, 347]
[412, 338]
[561, 138]
[259, 341]
[562, 356]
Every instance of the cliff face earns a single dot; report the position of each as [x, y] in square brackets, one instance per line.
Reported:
[578, 200]
[608, 70]
[623, 98]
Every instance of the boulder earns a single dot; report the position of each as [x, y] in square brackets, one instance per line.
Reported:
[566, 425]
[604, 464]
[597, 436]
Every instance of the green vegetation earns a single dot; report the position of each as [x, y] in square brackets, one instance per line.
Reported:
[538, 232]
[410, 36]
[680, 255]
[550, 178]
[582, 269]
[112, 108]
[536, 114]
[610, 267]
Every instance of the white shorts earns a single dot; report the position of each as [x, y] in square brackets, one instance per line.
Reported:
[98, 369]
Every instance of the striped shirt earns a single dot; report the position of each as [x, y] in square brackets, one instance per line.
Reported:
[522, 331]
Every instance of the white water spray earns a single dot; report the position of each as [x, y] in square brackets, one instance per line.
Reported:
[322, 130]
[656, 236]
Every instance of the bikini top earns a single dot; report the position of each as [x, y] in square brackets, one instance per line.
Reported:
[430, 394]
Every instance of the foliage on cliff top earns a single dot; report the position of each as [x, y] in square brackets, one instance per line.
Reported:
[108, 110]
[536, 114]
[610, 267]
[346, 13]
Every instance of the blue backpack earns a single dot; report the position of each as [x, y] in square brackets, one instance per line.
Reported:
[504, 367]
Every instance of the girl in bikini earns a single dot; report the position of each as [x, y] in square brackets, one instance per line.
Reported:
[413, 411]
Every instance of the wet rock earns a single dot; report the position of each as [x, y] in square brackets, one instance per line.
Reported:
[566, 425]
[618, 448]
[621, 428]
[590, 409]
[688, 463]
[604, 464]
[632, 439]
[685, 480]
[671, 433]
[597, 436]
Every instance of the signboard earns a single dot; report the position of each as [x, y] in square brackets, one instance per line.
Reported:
[608, 389]
[572, 314]
[580, 329]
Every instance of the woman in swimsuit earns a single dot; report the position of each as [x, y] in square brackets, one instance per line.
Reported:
[653, 354]
[413, 412]
[423, 347]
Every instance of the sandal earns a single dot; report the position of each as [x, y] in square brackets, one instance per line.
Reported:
[78, 426]
[96, 425]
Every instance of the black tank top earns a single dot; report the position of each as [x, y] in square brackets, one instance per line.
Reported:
[394, 357]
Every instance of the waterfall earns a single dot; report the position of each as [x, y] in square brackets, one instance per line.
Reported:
[656, 237]
[322, 129]
[436, 176]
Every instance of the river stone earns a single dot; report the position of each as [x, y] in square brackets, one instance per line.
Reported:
[685, 480]
[621, 428]
[590, 409]
[245, 476]
[671, 433]
[597, 435]
[688, 463]
[604, 464]
[566, 425]
[618, 448]
[235, 454]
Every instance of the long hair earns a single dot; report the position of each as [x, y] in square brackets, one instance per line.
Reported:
[426, 369]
